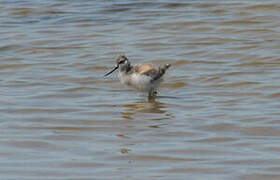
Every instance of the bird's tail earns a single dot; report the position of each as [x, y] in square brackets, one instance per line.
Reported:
[162, 70]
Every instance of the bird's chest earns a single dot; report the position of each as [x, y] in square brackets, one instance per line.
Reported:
[138, 81]
[125, 78]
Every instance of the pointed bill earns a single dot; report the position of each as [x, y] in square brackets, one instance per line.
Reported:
[111, 71]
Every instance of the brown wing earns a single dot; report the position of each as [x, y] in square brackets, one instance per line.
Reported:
[157, 73]
[152, 71]
[144, 68]
[147, 69]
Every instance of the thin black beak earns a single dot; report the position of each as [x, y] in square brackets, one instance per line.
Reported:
[111, 71]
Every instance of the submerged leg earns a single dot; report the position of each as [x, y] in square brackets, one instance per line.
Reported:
[152, 94]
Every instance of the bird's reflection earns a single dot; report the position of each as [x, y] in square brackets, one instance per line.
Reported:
[151, 106]
[152, 110]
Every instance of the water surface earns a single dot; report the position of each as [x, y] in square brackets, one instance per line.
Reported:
[216, 117]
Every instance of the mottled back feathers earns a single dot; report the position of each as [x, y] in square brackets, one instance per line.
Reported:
[152, 71]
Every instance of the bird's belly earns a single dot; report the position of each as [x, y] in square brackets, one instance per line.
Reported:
[139, 82]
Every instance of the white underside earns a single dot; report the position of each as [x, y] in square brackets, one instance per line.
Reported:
[139, 82]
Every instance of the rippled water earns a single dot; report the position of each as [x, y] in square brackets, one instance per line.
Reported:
[216, 117]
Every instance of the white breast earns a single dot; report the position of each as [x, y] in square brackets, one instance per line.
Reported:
[138, 81]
